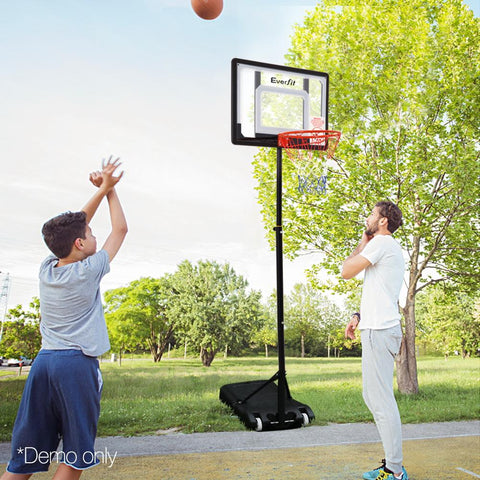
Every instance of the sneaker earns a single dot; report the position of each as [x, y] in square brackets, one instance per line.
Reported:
[373, 474]
[383, 475]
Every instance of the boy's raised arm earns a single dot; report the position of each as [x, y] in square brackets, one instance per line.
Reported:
[119, 225]
[105, 181]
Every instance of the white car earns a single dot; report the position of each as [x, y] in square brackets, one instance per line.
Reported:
[15, 362]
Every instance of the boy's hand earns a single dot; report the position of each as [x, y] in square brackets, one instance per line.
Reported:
[105, 178]
[96, 178]
[106, 181]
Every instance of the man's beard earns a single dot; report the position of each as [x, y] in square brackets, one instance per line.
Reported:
[373, 229]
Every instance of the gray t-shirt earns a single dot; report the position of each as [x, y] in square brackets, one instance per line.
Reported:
[71, 306]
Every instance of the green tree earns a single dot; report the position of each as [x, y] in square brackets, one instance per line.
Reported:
[21, 334]
[333, 320]
[303, 315]
[214, 308]
[339, 344]
[267, 334]
[313, 321]
[139, 315]
[449, 322]
[404, 78]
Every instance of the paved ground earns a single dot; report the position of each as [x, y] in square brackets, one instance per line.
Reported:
[437, 451]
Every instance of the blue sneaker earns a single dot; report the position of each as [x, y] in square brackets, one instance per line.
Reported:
[373, 474]
[383, 475]
[379, 473]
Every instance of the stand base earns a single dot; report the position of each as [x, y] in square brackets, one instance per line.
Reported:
[260, 411]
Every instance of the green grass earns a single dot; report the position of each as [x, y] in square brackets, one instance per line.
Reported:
[141, 397]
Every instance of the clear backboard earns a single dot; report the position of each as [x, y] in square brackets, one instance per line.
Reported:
[270, 99]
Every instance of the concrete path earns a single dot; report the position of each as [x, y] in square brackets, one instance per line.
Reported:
[433, 451]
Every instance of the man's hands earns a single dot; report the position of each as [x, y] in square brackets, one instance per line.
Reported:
[351, 327]
[105, 178]
[365, 238]
[355, 263]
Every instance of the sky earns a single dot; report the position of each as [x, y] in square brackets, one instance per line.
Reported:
[147, 81]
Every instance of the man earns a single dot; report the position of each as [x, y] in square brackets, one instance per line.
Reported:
[380, 256]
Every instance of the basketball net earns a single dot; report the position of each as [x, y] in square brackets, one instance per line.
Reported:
[309, 152]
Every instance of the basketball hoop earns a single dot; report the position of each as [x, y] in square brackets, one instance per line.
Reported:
[307, 150]
[321, 140]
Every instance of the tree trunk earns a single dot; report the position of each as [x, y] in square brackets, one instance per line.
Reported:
[266, 350]
[407, 379]
[207, 356]
[156, 355]
[302, 343]
[158, 344]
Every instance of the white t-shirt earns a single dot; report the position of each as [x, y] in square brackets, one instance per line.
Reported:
[382, 283]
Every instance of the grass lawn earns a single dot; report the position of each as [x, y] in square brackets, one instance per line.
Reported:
[141, 397]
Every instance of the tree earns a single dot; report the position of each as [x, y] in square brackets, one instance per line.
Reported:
[313, 321]
[404, 92]
[213, 307]
[449, 321]
[267, 334]
[22, 334]
[302, 314]
[332, 327]
[140, 315]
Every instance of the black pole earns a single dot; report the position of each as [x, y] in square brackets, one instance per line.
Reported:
[282, 382]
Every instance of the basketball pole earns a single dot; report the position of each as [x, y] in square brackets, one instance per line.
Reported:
[263, 404]
[282, 380]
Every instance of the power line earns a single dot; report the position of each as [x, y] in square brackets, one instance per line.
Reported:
[5, 288]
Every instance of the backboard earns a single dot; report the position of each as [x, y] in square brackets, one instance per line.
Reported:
[270, 99]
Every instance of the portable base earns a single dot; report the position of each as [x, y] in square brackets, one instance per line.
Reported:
[256, 404]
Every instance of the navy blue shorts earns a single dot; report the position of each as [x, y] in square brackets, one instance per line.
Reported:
[60, 401]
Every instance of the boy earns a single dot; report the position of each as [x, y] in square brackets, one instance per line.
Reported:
[382, 259]
[61, 399]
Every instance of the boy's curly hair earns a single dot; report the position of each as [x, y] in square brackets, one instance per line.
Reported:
[60, 232]
[392, 213]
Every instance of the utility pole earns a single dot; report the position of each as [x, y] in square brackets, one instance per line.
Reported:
[5, 287]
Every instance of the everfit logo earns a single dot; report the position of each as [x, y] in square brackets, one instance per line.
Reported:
[288, 82]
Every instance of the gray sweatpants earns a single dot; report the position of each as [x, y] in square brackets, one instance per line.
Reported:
[379, 348]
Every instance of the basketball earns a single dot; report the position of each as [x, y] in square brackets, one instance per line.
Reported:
[207, 9]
